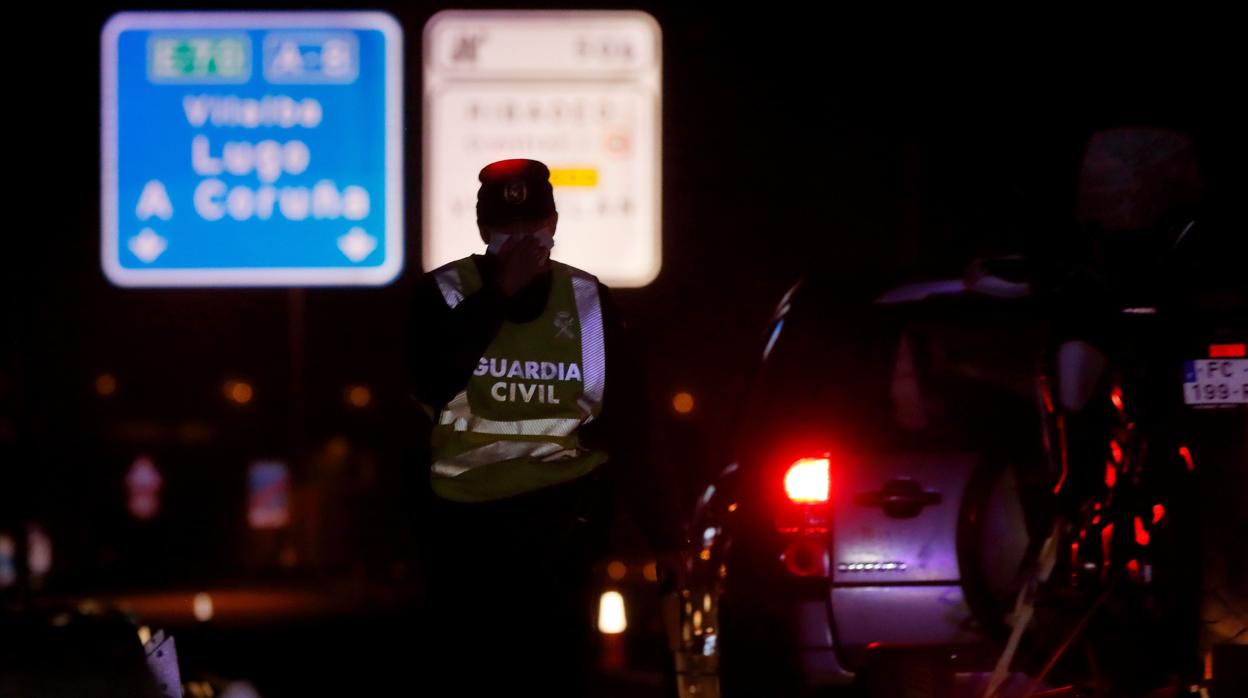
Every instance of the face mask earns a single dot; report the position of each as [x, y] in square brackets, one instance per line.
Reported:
[545, 237]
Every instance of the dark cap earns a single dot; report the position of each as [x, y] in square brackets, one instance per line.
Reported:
[514, 190]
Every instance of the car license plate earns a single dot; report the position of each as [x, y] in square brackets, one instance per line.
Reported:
[1215, 382]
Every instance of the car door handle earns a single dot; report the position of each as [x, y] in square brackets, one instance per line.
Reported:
[903, 498]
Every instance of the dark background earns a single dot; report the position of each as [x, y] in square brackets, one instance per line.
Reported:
[794, 139]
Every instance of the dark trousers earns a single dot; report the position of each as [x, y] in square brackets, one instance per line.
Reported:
[510, 594]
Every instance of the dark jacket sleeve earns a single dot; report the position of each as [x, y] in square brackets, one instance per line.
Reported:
[444, 344]
[625, 431]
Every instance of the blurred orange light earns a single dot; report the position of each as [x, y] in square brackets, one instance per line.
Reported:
[359, 396]
[238, 391]
[651, 572]
[683, 403]
[337, 447]
[106, 384]
[616, 570]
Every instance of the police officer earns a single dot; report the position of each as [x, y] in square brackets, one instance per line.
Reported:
[537, 422]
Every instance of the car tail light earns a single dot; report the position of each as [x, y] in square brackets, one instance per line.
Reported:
[808, 481]
[803, 510]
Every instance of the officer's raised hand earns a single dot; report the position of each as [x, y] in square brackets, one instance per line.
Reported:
[520, 260]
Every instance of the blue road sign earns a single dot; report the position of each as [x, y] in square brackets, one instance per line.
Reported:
[252, 149]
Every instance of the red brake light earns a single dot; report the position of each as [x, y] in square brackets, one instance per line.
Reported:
[1227, 351]
[808, 481]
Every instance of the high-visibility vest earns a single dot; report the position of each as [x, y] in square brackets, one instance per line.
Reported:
[514, 428]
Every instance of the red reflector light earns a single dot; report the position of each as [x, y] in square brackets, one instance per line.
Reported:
[1141, 534]
[808, 481]
[1186, 454]
[1228, 351]
[807, 558]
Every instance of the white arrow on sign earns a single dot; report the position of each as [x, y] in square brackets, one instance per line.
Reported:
[147, 245]
[357, 244]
